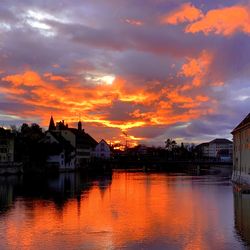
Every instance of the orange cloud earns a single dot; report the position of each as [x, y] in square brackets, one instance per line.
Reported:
[175, 97]
[186, 13]
[196, 68]
[52, 77]
[73, 99]
[11, 91]
[29, 78]
[149, 107]
[224, 21]
[165, 113]
[202, 98]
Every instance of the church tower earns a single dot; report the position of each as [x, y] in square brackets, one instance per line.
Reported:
[52, 124]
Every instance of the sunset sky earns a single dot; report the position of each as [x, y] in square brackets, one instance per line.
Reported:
[154, 69]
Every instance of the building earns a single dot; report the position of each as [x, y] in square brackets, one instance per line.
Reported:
[241, 152]
[203, 150]
[6, 146]
[102, 150]
[61, 154]
[81, 141]
[218, 149]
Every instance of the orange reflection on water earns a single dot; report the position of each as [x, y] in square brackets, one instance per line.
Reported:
[133, 209]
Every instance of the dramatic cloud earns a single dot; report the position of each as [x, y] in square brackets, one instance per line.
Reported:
[185, 13]
[225, 21]
[138, 106]
[151, 69]
[197, 68]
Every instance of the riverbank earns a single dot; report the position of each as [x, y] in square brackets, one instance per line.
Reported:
[100, 167]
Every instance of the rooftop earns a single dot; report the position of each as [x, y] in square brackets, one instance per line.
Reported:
[244, 123]
[203, 144]
[221, 141]
[81, 136]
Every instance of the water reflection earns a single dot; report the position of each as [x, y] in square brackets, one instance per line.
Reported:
[125, 210]
[7, 186]
[242, 216]
[59, 188]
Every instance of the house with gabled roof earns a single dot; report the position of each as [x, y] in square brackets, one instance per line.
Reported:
[241, 152]
[102, 150]
[83, 143]
[60, 153]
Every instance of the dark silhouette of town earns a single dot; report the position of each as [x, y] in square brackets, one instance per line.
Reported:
[63, 148]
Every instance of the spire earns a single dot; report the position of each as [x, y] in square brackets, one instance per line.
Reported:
[52, 124]
[80, 126]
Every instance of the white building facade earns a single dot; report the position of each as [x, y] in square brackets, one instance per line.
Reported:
[218, 146]
[102, 150]
[81, 141]
[220, 149]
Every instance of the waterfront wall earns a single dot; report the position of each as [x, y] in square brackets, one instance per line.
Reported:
[11, 169]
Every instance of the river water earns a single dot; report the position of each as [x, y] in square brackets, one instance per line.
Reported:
[123, 210]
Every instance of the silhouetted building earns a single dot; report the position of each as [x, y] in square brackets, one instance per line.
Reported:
[102, 150]
[80, 126]
[203, 149]
[61, 154]
[52, 124]
[82, 142]
[6, 146]
[241, 152]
